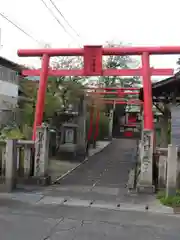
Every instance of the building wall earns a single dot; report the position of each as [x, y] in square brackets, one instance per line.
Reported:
[8, 94]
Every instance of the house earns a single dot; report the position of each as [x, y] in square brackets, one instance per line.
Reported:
[9, 90]
[167, 90]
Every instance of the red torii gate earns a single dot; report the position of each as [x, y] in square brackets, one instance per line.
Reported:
[93, 67]
[120, 92]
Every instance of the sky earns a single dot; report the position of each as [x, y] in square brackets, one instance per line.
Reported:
[135, 22]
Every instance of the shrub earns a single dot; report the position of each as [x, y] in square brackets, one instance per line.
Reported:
[171, 201]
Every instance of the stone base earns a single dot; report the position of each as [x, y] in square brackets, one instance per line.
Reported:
[42, 181]
[146, 189]
[176, 210]
[5, 188]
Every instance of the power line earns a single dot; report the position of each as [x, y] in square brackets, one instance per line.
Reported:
[19, 28]
[59, 22]
[62, 15]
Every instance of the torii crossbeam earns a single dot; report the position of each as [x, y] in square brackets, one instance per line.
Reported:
[93, 67]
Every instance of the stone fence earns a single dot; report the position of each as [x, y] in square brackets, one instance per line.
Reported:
[168, 160]
[157, 167]
[24, 161]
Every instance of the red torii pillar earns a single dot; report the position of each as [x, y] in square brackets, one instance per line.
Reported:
[93, 67]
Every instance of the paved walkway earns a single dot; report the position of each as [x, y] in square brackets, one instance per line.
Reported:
[102, 182]
[103, 177]
[59, 168]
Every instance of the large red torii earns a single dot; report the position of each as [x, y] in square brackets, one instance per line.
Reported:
[93, 67]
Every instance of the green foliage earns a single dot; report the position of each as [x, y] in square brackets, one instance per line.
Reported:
[61, 92]
[8, 133]
[52, 104]
[28, 114]
[161, 194]
[171, 201]
[119, 62]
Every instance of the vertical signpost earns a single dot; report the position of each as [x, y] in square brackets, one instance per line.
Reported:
[92, 60]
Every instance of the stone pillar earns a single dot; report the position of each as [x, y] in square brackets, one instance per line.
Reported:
[82, 125]
[162, 171]
[3, 156]
[41, 152]
[172, 164]
[27, 160]
[11, 165]
[145, 183]
[110, 123]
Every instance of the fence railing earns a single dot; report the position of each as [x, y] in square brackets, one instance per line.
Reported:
[24, 161]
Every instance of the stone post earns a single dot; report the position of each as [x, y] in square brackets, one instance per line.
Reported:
[11, 165]
[110, 123]
[145, 183]
[172, 164]
[162, 171]
[41, 152]
[82, 126]
[27, 160]
[3, 156]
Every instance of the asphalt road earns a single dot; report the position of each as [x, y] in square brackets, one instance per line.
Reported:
[23, 221]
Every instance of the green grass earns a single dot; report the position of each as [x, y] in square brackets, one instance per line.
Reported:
[171, 201]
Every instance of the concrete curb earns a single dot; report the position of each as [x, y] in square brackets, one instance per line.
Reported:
[85, 160]
[97, 204]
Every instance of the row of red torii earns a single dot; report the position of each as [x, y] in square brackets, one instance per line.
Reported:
[92, 56]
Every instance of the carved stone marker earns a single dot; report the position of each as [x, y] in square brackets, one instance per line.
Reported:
[146, 176]
[41, 152]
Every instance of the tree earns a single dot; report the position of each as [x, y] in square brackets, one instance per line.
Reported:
[67, 88]
[61, 92]
[119, 62]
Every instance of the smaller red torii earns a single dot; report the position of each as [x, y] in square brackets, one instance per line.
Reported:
[93, 67]
[118, 91]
